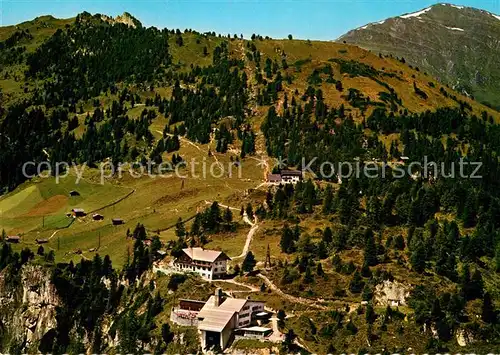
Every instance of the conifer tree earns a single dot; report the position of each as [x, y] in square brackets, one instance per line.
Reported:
[228, 216]
[328, 200]
[180, 230]
[370, 253]
[287, 242]
[488, 311]
[356, 285]
[249, 262]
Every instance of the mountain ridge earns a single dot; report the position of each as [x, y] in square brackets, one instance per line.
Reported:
[416, 14]
[457, 44]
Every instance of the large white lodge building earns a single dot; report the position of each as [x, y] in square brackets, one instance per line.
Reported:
[209, 264]
[222, 318]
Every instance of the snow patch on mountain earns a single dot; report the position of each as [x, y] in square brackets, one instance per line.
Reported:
[455, 28]
[496, 16]
[370, 24]
[455, 6]
[416, 14]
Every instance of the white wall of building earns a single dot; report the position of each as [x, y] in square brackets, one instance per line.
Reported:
[245, 315]
[204, 271]
[290, 179]
[208, 271]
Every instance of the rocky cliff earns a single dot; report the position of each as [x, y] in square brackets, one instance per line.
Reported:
[28, 304]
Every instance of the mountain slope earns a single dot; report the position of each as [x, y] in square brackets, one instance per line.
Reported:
[458, 45]
[100, 90]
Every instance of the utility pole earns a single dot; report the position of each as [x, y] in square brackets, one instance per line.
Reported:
[99, 240]
[267, 264]
[58, 244]
[43, 221]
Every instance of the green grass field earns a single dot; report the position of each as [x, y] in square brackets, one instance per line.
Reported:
[37, 209]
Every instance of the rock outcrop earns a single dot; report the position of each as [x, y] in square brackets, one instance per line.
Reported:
[126, 19]
[391, 293]
[27, 306]
[464, 337]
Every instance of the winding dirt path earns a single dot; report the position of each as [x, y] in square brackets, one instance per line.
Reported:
[251, 288]
[185, 140]
[221, 205]
[53, 234]
[251, 232]
[181, 138]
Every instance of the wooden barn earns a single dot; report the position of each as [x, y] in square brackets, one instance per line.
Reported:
[117, 221]
[13, 239]
[78, 212]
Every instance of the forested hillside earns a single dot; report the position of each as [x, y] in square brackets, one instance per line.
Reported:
[94, 89]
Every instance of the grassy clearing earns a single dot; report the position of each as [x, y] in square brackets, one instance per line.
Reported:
[230, 243]
[157, 202]
[191, 52]
[22, 198]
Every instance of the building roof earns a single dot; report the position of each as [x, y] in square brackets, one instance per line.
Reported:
[13, 237]
[78, 210]
[274, 177]
[190, 300]
[233, 304]
[228, 304]
[201, 254]
[291, 173]
[214, 320]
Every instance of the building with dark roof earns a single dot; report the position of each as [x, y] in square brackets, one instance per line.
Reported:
[117, 221]
[13, 238]
[78, 212]
[285, 177]
[97, 217]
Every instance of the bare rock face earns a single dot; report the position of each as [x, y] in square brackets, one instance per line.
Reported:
[28, 308]
[126, 19]
[464, 337]
[391, 293]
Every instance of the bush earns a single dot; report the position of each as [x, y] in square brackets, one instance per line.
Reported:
[175, 281]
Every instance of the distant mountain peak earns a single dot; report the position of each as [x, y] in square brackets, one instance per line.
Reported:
[417, 14]
[457, 44]
[426, 11]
